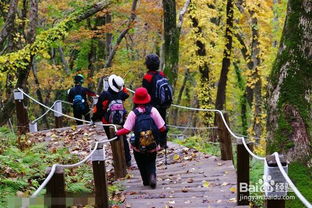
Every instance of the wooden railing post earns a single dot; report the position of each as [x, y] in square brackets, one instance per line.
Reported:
[100, 178]
[119, 161]
[242, 173]
[55, 196]
[21, 113]
[224, 137]
[273, 176]
[58, 116]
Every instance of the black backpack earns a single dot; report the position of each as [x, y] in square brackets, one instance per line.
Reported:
[162, 93]
[145, 131]
[116, 112]
[79, 103]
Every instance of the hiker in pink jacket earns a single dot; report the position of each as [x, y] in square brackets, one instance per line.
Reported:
[150, 135]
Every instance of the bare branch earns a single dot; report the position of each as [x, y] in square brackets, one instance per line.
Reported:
[122, 35]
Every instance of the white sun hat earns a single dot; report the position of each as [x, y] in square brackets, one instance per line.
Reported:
[115, 82]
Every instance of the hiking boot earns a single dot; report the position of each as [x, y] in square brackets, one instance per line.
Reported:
[153, 181]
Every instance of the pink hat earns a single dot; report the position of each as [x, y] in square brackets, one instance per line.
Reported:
[141, 96]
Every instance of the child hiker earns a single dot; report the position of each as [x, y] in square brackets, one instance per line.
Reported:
[149, 130]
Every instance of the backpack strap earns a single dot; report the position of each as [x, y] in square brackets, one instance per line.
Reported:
[136, 112]
[148, 110]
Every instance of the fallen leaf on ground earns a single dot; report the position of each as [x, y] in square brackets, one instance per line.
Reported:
[233, 189]
[205, 184]
[176, 157]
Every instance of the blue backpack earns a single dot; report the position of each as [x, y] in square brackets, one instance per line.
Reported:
[145, 131]
[163, 91]
[79, 103]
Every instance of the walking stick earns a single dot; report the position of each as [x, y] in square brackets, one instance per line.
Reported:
[166, 155]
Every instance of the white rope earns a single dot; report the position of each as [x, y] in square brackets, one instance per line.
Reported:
[65, 115]
[45, 113]
[249, 151]
[191, 127]
[224, 121]
[301, 197]
[291, 184]
[53, 169]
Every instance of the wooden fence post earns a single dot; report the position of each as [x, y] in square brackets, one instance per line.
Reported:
[242, 173]
[21, 113]
[119, 161]
[224, 138]
[55, 196]
[100, 178]
[58, 117]
[274, 196]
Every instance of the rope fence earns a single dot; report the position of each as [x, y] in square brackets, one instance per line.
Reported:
[221, 114]
[65, 115]
[242, 138]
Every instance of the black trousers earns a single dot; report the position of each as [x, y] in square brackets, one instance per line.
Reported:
[79, 114]
[126, 145]
[146, 163]
[162, 112]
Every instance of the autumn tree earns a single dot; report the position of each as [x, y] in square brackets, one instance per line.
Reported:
[171, 40]
[290, 99]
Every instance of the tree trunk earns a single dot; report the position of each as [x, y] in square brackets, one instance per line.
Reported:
[243, 99]
[290, 90]
[9, 23]
[205, 97]
[175, 111]
[92, 59]
[39, 94]
[257, 97]
[64, 61]
[109, 36]
[226, 62]
[171, 41]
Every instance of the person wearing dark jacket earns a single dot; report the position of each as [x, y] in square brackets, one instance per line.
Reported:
[109, 108]
[78, 96]
[152, 64]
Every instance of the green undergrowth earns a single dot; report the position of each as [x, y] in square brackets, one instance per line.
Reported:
[21, 172]
[200, 144]
[256, 173]
[302, 178]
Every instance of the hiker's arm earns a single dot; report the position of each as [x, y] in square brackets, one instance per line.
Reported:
[90, 92]
[98, 109]
[147, 83]
[125, 93]
[160, 123]
[128, 126]
[122, 132]
[70, 96]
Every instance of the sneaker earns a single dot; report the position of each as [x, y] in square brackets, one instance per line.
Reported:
[153, 181]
